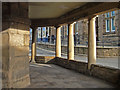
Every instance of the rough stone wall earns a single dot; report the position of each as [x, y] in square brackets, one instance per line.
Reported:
[106, 73]
[108, 38]
[53, 31]
[100, 30]
[64, 34]
[15, 45]
[45, 59]
[83, 50]
[83, 31]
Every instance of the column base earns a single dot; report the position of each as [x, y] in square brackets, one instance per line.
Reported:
[32, 61]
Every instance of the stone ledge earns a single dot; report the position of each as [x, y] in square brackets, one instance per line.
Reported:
[73, 65]
[44, 59]
[106, 73]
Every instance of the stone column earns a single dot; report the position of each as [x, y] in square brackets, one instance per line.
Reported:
[70, 41]
[15, 45]
[91, 42]
[34, 38]
[58, 41]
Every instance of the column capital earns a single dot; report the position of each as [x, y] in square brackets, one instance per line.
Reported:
[57, 26]
[34, 27]
[71, 23]
[90, 17]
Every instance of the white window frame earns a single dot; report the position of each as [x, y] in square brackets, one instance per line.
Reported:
[112, 17]
[107, 18]
[106, 26]
[110, 21]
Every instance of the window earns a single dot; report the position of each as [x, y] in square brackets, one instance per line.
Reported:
[110, 21]
[107, 25]
[113, 21]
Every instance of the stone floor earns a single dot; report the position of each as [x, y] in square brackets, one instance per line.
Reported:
[53, 76]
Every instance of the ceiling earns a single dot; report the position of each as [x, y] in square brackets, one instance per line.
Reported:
[39, 10]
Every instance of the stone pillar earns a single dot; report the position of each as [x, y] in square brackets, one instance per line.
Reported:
[34, 39]
[70, 41]
[58, 41]
[91, 42]
[15, 45]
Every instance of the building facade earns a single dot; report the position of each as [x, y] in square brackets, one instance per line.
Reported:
[109, 28]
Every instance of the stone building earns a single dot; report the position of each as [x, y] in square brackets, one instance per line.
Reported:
[19, 17]
[107, 30]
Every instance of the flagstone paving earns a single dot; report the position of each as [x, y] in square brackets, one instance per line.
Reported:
[53, 76]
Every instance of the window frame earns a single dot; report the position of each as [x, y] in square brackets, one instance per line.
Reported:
[107, 25]
[110, 17]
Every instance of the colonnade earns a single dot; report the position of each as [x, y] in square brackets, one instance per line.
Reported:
[70, 54]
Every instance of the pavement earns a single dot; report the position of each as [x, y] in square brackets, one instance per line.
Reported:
[77, 45]
[53, 76]
[109, 62]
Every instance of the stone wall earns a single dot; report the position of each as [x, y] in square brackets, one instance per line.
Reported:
[106, 73]
[83, 32]
[44, 59]
[108, 38]
[73, 65]
[83, 50]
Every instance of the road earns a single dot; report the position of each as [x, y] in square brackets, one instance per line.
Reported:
[110, 62]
